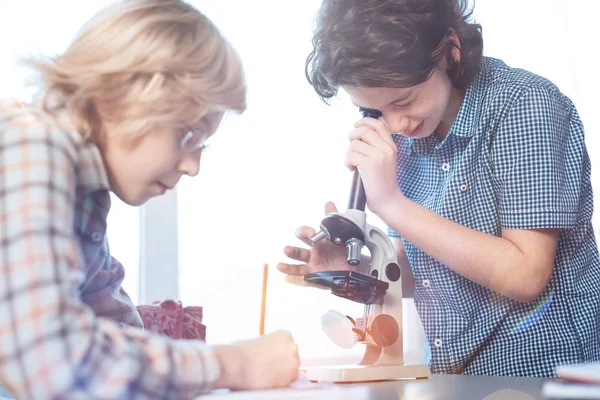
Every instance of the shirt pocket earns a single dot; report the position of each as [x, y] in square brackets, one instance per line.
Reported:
[470, 199]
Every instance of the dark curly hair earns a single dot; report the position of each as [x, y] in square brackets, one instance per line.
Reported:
[390, 43]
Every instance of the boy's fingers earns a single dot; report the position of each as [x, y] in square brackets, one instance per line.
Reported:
[293, 270]
[297, 253]
[296, 280]
[304, 233]
[330, 207]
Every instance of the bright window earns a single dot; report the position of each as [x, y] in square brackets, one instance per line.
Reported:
[266, 172]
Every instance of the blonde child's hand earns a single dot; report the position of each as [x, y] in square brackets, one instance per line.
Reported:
[268, 361]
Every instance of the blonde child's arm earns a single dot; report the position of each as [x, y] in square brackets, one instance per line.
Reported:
[52, 343]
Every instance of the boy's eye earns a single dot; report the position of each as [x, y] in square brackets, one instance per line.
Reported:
[407, 102]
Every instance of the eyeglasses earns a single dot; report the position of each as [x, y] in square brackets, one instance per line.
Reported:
[194, 139]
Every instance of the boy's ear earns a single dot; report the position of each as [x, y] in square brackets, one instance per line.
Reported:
[454, 44]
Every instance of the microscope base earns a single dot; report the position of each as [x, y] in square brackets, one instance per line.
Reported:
[367, 373]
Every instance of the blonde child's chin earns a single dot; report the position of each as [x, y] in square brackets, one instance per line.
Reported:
[135, 199]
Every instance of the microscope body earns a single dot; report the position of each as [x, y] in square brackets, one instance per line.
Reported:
[377, 285]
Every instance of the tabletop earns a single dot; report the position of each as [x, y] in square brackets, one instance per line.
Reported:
[446, 387]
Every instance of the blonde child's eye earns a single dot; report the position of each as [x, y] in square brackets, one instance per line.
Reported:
[196, 138]
[185, 133]
[193, 139]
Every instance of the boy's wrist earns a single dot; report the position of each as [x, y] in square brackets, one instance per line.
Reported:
[391, 207]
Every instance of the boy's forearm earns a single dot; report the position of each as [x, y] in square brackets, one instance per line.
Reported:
[489, 260]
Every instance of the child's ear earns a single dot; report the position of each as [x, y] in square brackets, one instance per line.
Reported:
[454, 44]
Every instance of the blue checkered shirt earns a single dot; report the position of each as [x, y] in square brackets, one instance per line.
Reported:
[515, 158]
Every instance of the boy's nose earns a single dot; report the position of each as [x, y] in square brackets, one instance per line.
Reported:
[397, 123]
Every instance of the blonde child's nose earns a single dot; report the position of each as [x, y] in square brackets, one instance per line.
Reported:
[190, 164]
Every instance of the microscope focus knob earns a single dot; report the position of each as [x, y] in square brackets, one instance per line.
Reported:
[384, 330]
[318, 236]
[338, 328]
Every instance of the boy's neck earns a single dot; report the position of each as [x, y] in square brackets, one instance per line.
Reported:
[456, 98]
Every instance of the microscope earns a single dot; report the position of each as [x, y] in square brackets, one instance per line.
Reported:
[378, 286]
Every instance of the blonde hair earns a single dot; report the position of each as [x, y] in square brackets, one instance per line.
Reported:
[141, 64]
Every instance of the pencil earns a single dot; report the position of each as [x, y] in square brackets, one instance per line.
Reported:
[263, 302]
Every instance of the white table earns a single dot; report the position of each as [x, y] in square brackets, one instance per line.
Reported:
[437, 387]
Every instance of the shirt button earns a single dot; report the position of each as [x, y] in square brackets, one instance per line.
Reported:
[437, 342]
[463, 187]
[97, 236]
[426, 283]
[446, 167]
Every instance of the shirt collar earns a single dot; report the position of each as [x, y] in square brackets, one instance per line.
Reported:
[91, 175]
[465, 123]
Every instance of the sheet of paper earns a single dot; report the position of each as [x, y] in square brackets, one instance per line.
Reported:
[583, 372]
[299, 390]
[570, 390]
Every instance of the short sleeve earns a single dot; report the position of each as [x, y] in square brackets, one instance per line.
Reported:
[538, 156]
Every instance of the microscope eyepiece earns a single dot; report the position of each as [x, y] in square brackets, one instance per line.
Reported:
[368, 112]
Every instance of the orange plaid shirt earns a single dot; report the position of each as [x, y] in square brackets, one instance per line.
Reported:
[67, 328]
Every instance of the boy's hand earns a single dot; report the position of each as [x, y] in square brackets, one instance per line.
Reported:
[322, 256]
[268, 361]
[372, 150]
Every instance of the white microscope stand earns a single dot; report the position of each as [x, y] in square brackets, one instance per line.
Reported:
[380, 362]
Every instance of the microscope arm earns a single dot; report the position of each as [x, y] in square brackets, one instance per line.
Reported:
[408, 280]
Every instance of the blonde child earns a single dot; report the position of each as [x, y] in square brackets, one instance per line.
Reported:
[127, 108]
